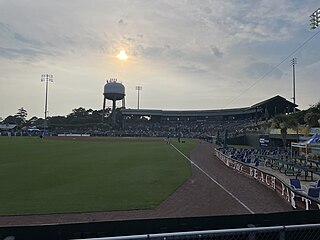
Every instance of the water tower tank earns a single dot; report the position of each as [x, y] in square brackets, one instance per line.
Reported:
[114, 90]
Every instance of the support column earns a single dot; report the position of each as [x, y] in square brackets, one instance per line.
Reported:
[113, 117]
[103, 108]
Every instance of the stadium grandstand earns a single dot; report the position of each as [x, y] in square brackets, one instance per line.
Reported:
[201, 123]
[262, 110]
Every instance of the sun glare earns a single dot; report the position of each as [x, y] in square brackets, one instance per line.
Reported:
[122, 55]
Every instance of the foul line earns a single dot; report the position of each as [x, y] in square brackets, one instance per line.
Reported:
[212, 179]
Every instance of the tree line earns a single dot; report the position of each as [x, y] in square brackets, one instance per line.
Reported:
[78, 118]
[81, 118]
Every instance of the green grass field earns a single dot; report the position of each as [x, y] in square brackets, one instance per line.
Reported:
[50, 176]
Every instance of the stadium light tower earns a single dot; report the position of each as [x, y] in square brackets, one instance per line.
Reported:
[138, 88]
[293, 64]
[315, 19]
[46, 78]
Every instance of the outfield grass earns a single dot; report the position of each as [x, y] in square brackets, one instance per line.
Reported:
[50, 176]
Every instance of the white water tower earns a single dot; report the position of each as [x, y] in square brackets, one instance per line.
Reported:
[113, 91]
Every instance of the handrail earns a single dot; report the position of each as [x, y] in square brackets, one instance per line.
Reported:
[212, 232]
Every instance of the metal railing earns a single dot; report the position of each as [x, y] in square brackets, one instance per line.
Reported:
[291, 232]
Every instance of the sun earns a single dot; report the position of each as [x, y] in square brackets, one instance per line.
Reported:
[122, 55]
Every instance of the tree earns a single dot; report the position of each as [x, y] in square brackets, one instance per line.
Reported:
[284, 122]
[35, 121]
[312, 118]
[12, 120]
[78, 112]
[19, 118]
[22, 115]
[32, 120]
[58, 120]
[317, 106]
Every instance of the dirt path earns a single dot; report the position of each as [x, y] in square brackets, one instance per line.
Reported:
[198, 196]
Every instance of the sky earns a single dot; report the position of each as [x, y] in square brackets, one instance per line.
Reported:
[186, 54]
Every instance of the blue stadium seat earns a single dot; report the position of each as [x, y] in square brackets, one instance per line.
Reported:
[296, 185]
[314, 192]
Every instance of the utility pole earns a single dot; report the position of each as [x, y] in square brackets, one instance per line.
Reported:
[293, 64]
[46, 78]
[138, 88]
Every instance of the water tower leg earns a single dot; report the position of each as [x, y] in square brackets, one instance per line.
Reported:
[124, 102]
[113, 112]
[103, 108]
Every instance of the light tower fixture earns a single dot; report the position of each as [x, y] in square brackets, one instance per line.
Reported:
[46, 78]
[315, 19]
[139, 88]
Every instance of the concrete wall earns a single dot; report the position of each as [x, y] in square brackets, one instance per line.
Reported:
[252, 140]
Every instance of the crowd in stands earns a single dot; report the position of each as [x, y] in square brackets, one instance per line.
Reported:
[190, 129]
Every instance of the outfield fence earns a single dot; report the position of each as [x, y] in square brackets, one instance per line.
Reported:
[291, 232]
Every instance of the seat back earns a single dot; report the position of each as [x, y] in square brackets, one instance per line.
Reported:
[295, 183]
[314, 192]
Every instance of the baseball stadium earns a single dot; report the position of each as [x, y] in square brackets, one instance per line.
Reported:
[158, 172]
[224, 144]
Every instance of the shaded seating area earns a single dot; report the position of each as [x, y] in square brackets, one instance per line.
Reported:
[277, 159]
[290, 164]
[254, 155]
[289, 161]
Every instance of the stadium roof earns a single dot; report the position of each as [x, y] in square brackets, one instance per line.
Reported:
[277, 102]
[186, 113]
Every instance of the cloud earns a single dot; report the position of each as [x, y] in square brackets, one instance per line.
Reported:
[259, 69]
[217, 52]
[192, 68]
[16, 46]
[216, 43]
[122, 23]
[4, 28]
[26, 40]
[23, 53]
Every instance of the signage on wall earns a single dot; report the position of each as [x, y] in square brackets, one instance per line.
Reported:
[264, 140]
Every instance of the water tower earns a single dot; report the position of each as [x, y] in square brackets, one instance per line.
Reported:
[113, 91]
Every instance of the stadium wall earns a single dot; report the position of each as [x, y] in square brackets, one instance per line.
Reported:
[253, 140]
[154, 226]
